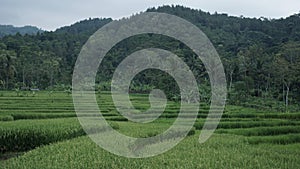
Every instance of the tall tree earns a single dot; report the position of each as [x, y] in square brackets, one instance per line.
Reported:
[287, 69]
[7, 61]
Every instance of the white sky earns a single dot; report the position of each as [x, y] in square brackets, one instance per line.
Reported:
[52, 14]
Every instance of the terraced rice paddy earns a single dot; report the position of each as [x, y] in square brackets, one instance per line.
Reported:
[42, 131]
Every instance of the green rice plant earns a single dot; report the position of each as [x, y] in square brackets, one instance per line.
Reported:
[263, 131]
[247, 124]
[279, 139]
[116, 118]
[198, 125]
[240, 115]
[241, 119]
[294, 116]
[22, 140]
[114, 125]
[220, 151]
[55, 136]
[250, 124]
[192, 131]
[6, 118]
[24, 135]
[152, 134]
[168, 115]
[203, 111]
[41, 115]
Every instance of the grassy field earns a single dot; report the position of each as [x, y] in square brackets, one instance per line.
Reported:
[40, 130]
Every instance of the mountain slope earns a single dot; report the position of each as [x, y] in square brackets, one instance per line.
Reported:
[261, 56]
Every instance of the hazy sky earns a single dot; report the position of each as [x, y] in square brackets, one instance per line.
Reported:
[52, 14]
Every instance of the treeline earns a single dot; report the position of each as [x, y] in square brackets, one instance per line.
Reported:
[261, 56]
[45, 59]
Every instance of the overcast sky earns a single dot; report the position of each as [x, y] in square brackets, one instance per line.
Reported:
[52, 14]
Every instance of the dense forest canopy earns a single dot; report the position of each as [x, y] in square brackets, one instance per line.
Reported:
[261, 56]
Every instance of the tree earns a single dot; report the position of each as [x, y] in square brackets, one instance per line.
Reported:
[7, 61]
[287, 68]
[230, 65]
[51, 66]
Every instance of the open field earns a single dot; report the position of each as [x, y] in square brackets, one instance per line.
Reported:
[41, 131]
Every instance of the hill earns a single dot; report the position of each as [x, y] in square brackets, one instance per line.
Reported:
[11, 30]
[261, 56]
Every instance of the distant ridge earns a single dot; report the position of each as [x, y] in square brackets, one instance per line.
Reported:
[12, 30]
[89, 26]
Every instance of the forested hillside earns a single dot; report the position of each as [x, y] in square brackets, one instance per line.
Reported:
[261, 56]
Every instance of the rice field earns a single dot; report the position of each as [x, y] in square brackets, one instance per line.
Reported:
[40, 130]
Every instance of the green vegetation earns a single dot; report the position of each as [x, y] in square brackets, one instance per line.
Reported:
[264, 131]
[38, 140]
[221, 151]
[261, 58]
[260, 127]
[280, 139]
[24, 135]
[11, 30]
